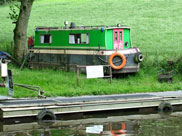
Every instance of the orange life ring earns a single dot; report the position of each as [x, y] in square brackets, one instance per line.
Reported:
[117, 132]
[123, 61]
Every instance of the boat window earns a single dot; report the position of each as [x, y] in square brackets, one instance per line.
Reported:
[121, 35]
[71, 39]
[84, 38]
[116, 36]
[47, 38]
[79, 39]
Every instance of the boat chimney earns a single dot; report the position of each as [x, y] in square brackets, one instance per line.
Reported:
[118, 25]
[66, 24]
[72, 25]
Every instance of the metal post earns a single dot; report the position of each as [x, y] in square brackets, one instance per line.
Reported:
[77, 74]
[64, 59]
[110, 74]
[10, 83]
[12, 46]
[34, 88]
[25, 59]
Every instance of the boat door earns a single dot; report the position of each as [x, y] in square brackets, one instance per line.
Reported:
[118, 39]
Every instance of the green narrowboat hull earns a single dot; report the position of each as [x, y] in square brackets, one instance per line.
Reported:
[68, 59]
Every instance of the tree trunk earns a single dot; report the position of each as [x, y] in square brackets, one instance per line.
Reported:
[20, 31]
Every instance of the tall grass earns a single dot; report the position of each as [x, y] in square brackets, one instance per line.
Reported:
[156, 30]
[59, 83]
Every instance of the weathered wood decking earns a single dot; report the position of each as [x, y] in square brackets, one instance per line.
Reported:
[13, 108]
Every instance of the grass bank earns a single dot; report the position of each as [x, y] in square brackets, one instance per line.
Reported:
[156, 30]
[59, 83]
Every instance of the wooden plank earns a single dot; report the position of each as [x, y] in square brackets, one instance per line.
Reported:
[86, 107]
[31, 103]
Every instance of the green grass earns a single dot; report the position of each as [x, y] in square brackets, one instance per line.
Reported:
[59, 83]
[156, 30]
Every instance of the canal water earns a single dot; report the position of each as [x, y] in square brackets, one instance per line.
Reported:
[159, 124]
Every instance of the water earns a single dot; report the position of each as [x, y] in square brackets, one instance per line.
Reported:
[110, 125]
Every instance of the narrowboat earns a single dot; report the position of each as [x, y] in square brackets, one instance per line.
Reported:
[72, 45]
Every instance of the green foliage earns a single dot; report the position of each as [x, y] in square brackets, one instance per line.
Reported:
[14, 12]
[2, 2]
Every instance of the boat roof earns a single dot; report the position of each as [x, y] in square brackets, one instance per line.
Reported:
[83, 27]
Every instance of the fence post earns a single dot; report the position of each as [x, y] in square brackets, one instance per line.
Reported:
[77, 74]
[110, 74]
[12, 46]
